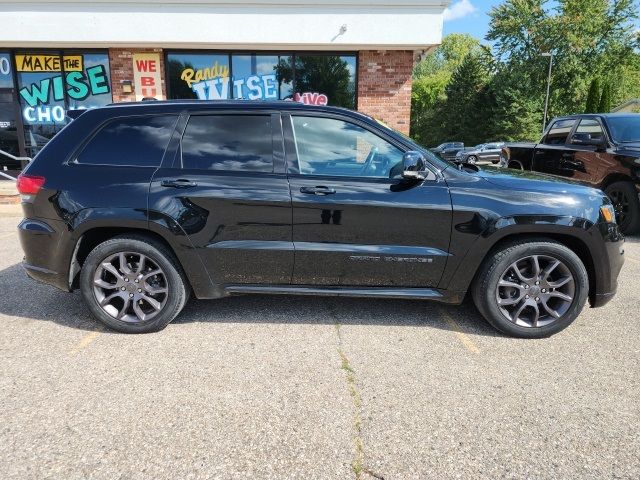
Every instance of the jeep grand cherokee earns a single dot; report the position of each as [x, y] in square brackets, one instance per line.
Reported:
[139, 205]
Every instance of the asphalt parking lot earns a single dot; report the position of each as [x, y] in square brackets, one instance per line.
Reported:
[292, 387]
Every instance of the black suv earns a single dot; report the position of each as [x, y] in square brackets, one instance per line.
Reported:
[140, 204]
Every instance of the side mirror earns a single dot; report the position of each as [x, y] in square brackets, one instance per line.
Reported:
[585, 139]
[413, 165]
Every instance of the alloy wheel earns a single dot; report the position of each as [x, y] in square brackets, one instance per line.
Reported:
[535, 291]
[621, 204]
[130, 287]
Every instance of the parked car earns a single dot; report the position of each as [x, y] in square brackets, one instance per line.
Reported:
[138, 205]
[600, 150]
[448, 150]
[485, 153]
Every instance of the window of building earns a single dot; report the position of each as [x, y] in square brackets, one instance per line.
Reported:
[8, 114]
[51, 83]
[6, 81]
[240, 143]
[559, 132]
[327, 146]
[134, 141]
[203, 76]
[317, 79]
[262, 77]
[331, 75]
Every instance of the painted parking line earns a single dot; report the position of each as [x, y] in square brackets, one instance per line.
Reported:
[84, 342]
[463, 337]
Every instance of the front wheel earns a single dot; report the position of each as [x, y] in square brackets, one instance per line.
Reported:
[531, 289]
[133, 284]
[472, 159]
[624, 198]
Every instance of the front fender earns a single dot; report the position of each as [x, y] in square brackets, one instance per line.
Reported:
[464, 264]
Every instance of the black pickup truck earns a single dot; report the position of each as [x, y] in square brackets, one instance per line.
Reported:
[600, 150]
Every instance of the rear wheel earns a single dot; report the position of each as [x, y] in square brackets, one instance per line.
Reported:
[133, 284]
[624, 197]
[531, 289]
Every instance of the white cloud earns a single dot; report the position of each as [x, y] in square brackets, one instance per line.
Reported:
[460, 9]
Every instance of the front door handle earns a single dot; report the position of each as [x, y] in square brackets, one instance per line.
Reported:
[320, 190]
[179, 183]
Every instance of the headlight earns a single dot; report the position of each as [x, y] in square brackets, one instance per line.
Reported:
[608, 213]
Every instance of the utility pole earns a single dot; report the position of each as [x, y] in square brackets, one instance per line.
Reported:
[546, 100]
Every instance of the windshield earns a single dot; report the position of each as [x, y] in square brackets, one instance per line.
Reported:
[625, 129]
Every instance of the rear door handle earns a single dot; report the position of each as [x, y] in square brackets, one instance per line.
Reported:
[320, 190]
[179, 183]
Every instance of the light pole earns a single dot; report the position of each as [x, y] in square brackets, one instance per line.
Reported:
[546, 100]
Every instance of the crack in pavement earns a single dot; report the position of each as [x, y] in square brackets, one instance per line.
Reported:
[358, 462]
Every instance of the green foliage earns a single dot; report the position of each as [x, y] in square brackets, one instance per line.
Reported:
[448, 56]
[463, 113]
[593, 97]
[504, 93]
[605, 100]
[430, 79]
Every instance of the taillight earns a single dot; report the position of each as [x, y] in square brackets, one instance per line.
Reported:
[29, 184]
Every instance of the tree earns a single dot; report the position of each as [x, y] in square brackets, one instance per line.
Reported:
[589, 39]
[593, 98]
[465, 111]
[448, 56]
[605, 100]
[430, 79]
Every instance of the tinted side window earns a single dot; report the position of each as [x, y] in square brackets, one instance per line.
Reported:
[228, 142]
[327, 146]
[136, 141]
[592, 127]
[559, 132]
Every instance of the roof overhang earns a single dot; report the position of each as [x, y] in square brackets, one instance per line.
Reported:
[242, 24]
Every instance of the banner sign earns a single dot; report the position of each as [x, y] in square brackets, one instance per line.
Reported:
[45, 91]
[49, 63]
[146, 76]
[214, 83]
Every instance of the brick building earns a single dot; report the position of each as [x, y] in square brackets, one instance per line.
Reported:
[73, 54]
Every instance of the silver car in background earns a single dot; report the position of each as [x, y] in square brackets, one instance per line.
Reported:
[484, 153]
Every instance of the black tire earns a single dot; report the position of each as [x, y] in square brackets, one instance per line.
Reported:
[485, 290]
[624, 197]
[472, 159]
[155, 254]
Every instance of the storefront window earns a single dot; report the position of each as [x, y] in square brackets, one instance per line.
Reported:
[8, 114]
[330, 75]
[5, 71]
[51, 83]
[262, 77]
[198, 75]
[317, 79]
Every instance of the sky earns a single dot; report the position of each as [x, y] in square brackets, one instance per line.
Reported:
[471, 16]
[468, 16]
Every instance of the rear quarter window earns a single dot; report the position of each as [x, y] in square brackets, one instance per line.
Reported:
[133, 141]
